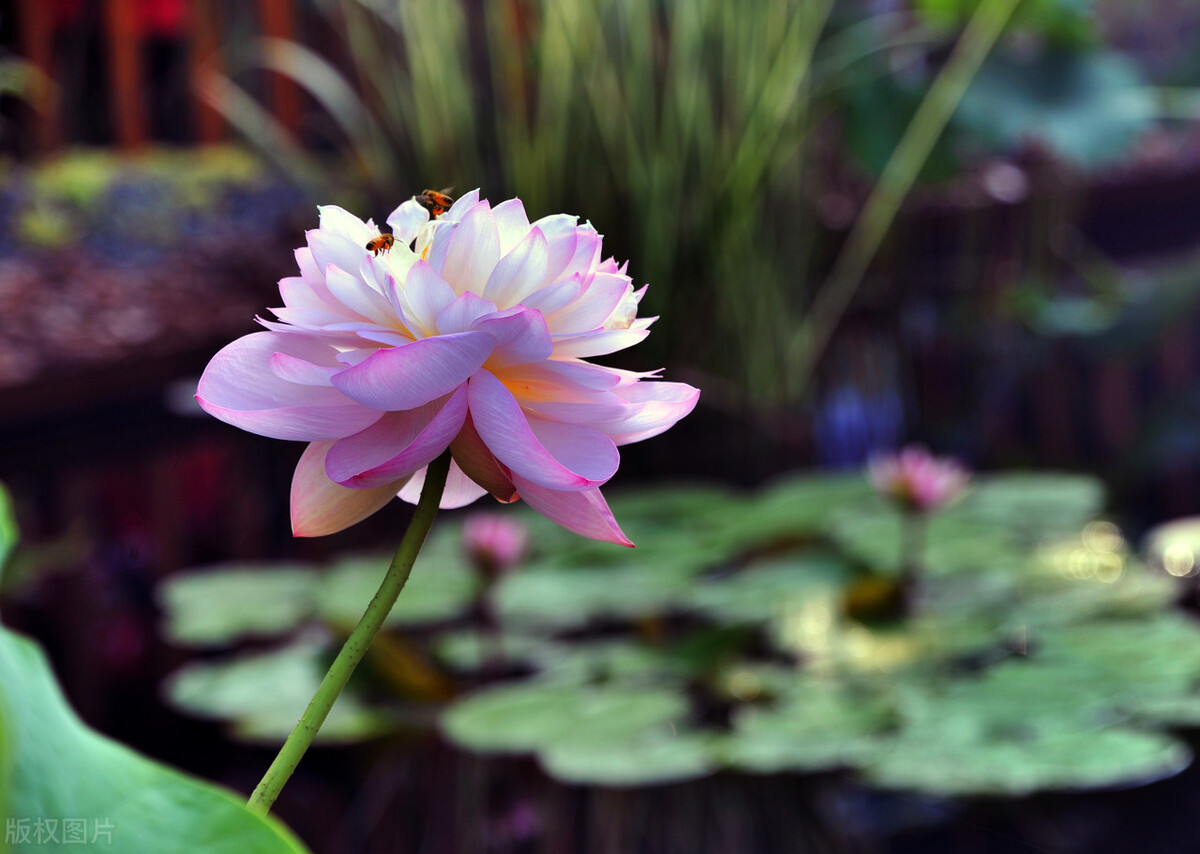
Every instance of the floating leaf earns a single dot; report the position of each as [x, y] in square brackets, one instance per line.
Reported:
[560, 598]
[1036, 504]
[437, 590]
[263, 695]
[535, 715]
[818, 724]
[770, 588]
[218, 605]
[1019, 762]
[55, 768]
[651, 758]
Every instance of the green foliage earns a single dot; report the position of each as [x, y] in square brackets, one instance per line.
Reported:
[1036, 651]
[55, 770]
[53, 767]
[264, 695]
[9, 534]
[1088, 107]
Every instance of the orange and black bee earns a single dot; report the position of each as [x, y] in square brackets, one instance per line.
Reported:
[382, 243]
[434, 201]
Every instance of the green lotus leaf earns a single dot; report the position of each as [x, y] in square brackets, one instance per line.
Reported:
[534, 715]
[652, 758]
[768, 588]
[817, 724]
[1016, 762]
[262, 695]
[218, 605]
[561, 598]
[55, 768]
[1032, 504]
[441, 587]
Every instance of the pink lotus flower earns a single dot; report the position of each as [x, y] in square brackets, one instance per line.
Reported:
[494, 543]
[917, 480]
[469, 333]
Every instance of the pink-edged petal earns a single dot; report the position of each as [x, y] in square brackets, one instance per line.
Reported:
[341, 222]
[598, 343]
[427, 294]
[586, 254]
[406, 377]
[398, 444]
[358, 296]
[434, 242]
[473, 250]
[240, 388]
[459, 492]
[480, 464]
[311, 318]
[320, 506]
[385, 336]
[560, 231]
[585, 513]
[309, 268]
[521, 337]
[570, 374]
[554, 297]
[604, 408]
[461, 205]
[407, 220]
[299, 371]
[597, 304]
[512, 223]
[520, 272]
[301, 292]
[329, 248]
[463, 312]
[507, 432]
[653, 408]
[578, 447]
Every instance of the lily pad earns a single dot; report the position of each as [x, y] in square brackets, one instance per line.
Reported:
[819, 724]
[436, 591]
[221, 604]
[1032, 504]
[652, 758]
[1019, 762]
[535, 715]
[562, 598]
[263, 695]
[768, 588]
[54, 767]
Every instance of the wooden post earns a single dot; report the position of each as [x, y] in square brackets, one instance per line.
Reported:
[124, 49]
[277, 21]
[36, 26]
[204, 57]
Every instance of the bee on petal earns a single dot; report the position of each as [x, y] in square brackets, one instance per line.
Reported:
[435, 201]
[382, 243]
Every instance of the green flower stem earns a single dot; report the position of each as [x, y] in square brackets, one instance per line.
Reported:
[356, 645]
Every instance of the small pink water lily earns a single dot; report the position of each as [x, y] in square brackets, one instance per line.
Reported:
[917, 480]
[494, 543]
[471, 333]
